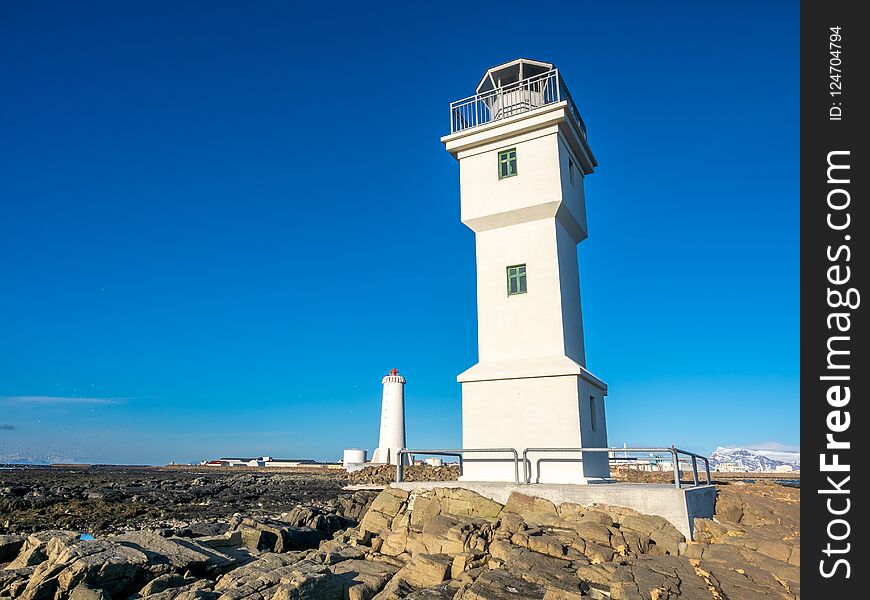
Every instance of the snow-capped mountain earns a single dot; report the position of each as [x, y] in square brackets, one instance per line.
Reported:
[26, 458]
[753, 461]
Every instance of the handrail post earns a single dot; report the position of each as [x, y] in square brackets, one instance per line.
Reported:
[676, 467]
[400, 475]
[707, 467]
[695, 469]
[526, 474]
[516, 467]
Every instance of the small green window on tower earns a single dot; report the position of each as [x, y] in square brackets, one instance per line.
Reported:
[516, 280]
[507, 163]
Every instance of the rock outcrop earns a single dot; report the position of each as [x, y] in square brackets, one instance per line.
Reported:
[435, 544]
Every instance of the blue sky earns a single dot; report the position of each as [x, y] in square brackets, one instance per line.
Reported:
[223, 222]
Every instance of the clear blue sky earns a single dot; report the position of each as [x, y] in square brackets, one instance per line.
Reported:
[223, 222]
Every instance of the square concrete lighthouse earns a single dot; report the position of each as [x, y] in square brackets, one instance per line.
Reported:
[523, 157]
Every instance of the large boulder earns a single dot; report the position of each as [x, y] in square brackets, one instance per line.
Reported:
[463, 502]
[363, 579]
[200, 589]
[354, 506]
[165, 582]
[663, 578]
[87, 592]
[175, 555]
[384, 508]
[313, 517]
[658, 529]
[34, 550]
[277, 536]
[309, 581]
[541, 569]
[282, 577]
[426, 570]
[537, 511]
[500, 584]
[117, 569]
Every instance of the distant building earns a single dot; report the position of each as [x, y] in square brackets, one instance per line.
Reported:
[228, 462]
[729, 467]
[289, 462]
[263, 461]
[651, 464]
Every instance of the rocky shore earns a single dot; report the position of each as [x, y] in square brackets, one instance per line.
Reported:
[166, 535]
[101, 500]
[386, 474]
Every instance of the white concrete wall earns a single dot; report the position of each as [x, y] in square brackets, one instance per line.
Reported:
[596, 464]
[537, 182]
[573, 192]
[569, 294]
[519, 413]
[535, 412]
[524, 325]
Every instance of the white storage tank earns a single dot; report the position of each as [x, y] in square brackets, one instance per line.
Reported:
[354, 456]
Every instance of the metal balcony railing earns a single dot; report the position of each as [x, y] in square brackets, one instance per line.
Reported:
[400, 470]
[512, 99]
[677, 457]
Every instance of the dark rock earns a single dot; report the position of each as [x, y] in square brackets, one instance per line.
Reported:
[499, 584]
[86, 592]
[10, 544]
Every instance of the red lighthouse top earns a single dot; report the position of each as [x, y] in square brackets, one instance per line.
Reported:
[394, 372]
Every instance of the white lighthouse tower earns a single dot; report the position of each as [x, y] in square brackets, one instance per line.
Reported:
[523, 157]
[392, 438]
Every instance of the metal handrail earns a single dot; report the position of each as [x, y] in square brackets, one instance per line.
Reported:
[400, 474]
[523, 96]
[695, 464]
[673, 451]
[527, 475]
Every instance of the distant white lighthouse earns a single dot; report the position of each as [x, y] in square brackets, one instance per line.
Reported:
[523, 158]
[392, 437]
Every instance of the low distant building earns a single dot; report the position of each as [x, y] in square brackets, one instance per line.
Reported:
[784, 469]
[263, 461]
[228, 462]
[650, 465]
[289, 462]
[728, 467]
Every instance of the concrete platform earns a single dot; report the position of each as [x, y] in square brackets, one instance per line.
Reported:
[680, 507]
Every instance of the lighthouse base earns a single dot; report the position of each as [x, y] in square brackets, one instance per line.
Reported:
[563, 411]
[388, 456]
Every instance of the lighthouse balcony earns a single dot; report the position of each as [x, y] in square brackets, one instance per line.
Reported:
[500, 96]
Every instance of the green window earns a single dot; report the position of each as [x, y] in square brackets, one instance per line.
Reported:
[507, 163]
[516, 280]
